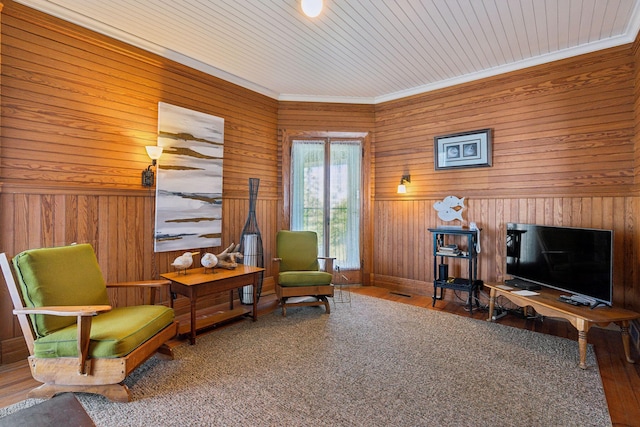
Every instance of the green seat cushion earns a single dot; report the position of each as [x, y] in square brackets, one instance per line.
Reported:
[65, 275]
[304, 278]
[115, 333]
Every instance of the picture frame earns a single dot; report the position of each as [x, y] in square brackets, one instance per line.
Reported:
[463, 150]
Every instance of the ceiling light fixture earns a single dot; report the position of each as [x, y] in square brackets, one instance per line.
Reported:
[311, 8]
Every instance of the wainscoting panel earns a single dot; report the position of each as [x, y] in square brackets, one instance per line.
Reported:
[403, 243]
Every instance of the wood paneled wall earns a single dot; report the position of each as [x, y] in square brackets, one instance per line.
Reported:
[634, 233]
[77, 110]
[402, 234]
[316, 116]
[564, 153]
[563, 128]
[636, 97]
[299, 119]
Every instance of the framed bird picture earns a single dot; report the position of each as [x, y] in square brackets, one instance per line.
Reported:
[463, 150]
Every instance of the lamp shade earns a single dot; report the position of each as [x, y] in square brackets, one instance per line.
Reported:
[311, 8]
[153, 151]
[402, 188]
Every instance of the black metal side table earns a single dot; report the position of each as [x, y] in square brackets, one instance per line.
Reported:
[446, 251]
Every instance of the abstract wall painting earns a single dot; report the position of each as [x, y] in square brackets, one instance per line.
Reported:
[189, 179]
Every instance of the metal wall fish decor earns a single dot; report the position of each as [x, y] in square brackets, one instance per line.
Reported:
[450, 208]
[189, 179]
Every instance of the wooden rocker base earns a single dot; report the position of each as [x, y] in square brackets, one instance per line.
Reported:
[113, 392]
[319, 293]
[104, 375]
[321, 300]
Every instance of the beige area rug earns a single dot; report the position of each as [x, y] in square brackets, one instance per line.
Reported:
[370, 363]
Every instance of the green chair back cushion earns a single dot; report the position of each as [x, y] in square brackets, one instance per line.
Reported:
[298, 250]
[115, 333]
[66, 275]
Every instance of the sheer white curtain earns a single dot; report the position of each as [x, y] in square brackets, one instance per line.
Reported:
[326, 177]
[307, 194]
[344, 234]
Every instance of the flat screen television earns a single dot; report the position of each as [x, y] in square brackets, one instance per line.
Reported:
[578, 261]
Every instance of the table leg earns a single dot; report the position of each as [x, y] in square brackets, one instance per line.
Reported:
[192, 333]
[582, 347]
[492, 304]
[435, 293]
[255, 297]
[624, 330]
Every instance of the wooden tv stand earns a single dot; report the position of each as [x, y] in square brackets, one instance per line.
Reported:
[581, 317]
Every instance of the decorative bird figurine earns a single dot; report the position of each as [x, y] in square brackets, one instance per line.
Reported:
[208, 260]
[184, 261]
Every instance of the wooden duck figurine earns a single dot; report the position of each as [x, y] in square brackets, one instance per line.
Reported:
[184, 261]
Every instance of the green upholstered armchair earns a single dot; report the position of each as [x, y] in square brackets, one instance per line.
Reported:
[297, 270]
[76, 340]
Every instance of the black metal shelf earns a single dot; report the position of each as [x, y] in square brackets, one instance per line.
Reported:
[470, 283]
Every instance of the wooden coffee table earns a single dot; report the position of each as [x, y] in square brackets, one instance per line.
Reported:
[198, 283]
[581, 317]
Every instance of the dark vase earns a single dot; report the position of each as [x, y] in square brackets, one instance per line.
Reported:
[251, 244]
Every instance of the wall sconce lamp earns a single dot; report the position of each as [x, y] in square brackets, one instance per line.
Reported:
[402, 188]
[154, 152]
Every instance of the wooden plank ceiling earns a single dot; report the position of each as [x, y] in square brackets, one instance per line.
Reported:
[359, 51]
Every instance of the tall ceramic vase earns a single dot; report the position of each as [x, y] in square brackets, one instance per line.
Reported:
[251, 244]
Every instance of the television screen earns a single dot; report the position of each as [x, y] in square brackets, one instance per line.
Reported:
[576, 260]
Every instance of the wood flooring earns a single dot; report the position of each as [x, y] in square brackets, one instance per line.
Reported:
[621, 380]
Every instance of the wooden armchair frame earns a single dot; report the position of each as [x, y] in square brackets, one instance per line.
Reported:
[305, 242]
[84, 374]
[319, 292]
